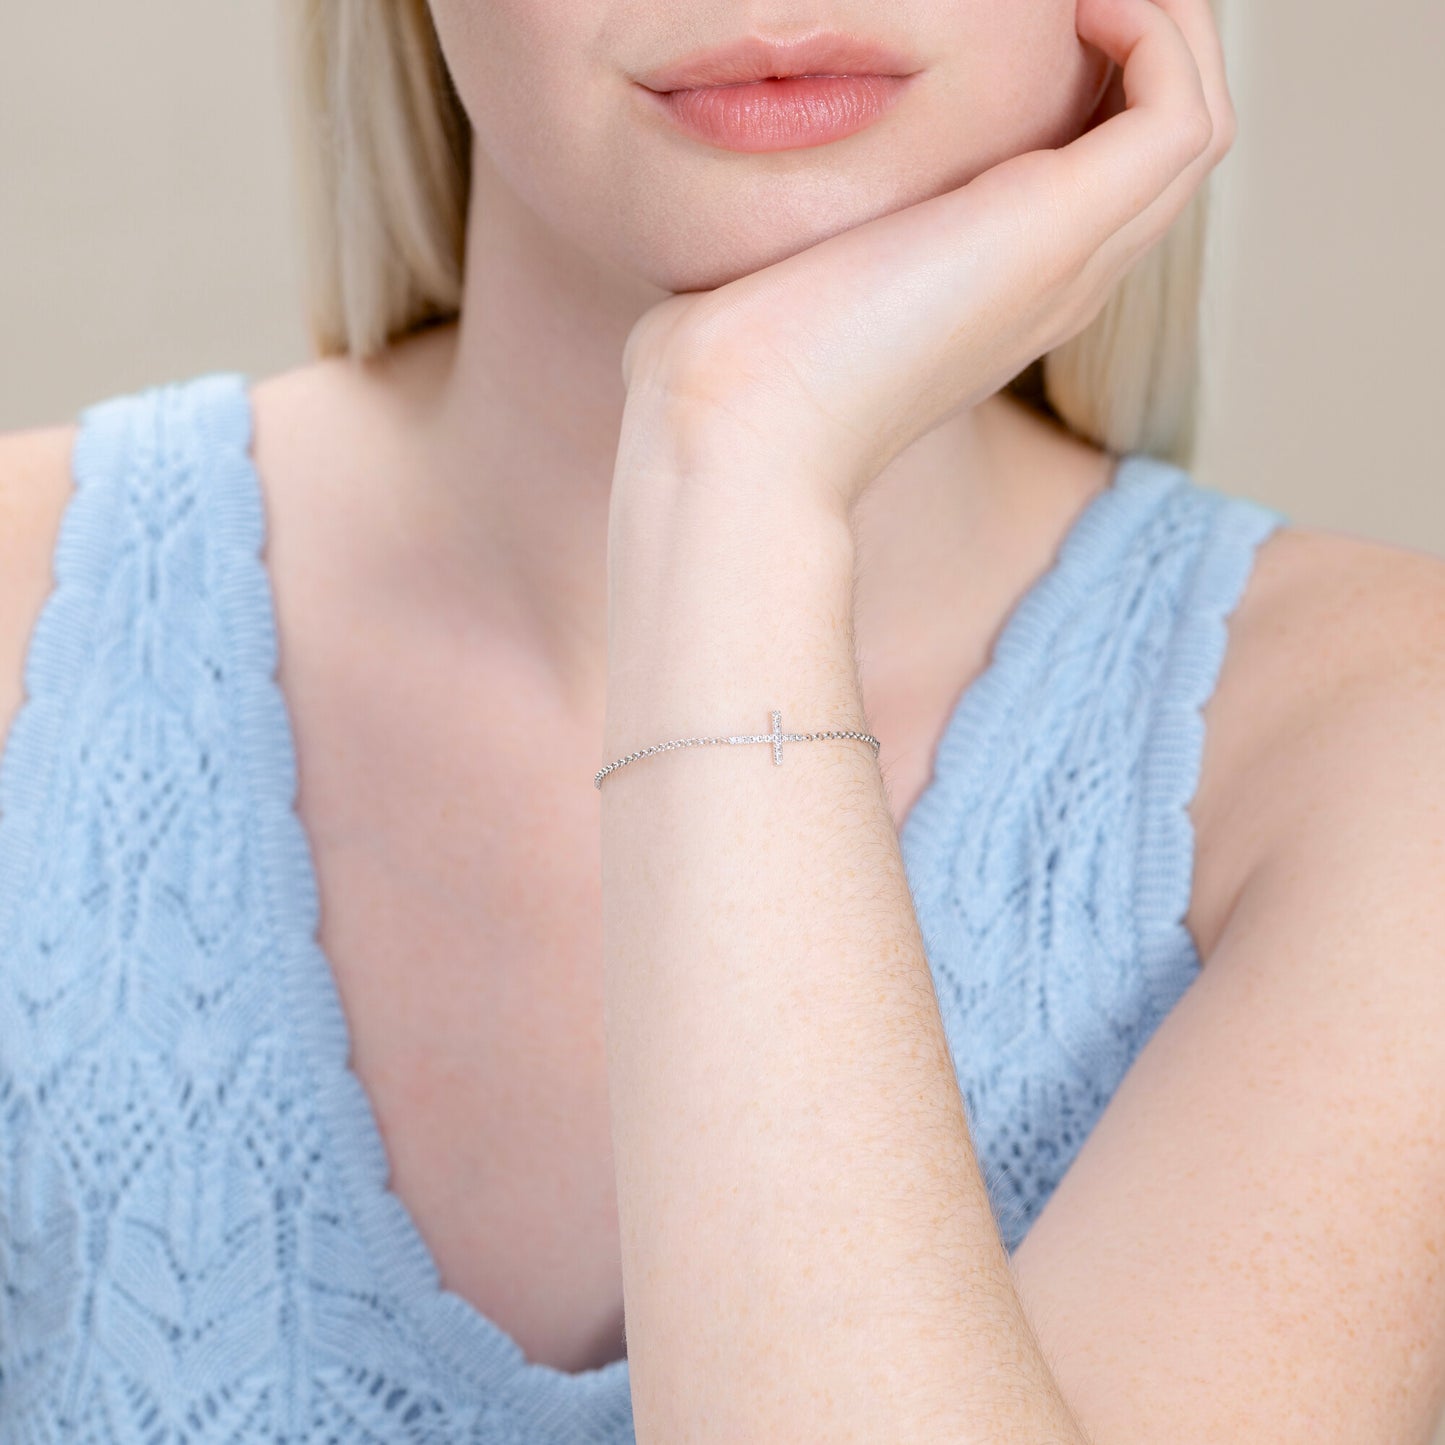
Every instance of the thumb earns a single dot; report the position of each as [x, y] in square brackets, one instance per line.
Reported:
[1111, 99]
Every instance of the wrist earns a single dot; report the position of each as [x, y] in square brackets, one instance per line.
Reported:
[720, 471]
[674, 532]
[723, 593]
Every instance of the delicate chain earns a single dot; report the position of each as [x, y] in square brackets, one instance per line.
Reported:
[777, 738]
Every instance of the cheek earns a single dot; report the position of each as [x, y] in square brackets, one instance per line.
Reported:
[1018, 78]
[542, 105]
[521, 68]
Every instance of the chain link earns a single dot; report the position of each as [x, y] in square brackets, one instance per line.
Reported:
[776, 738]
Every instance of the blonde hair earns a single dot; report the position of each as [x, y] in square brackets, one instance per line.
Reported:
[384, 165]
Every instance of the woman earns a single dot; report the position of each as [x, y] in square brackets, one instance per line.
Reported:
[1005, 1055]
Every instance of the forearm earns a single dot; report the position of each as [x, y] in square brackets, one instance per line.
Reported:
[808, 1249]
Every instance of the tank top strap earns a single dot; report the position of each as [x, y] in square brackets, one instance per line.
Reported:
[86, 756]
[1052, 857]
[1228, 530]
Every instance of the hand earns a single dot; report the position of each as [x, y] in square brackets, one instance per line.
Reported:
[837, 358]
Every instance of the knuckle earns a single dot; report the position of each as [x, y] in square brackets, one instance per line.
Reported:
[673, 342]
[1198, 130]
[1061, 244]
[1226, 128]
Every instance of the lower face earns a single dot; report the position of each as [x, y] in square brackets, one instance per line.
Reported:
[688, 190]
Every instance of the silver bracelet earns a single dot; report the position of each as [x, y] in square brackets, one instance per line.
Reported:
[777, 738]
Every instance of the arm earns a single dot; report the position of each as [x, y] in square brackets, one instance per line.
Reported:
[809, 1251]
[1247, 1247]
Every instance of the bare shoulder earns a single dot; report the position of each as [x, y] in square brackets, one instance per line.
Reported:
[1329, 616]
[303, 411]
[37, 483]
[1335, 664]
[35, 489]
[313, 411]
[303, 417]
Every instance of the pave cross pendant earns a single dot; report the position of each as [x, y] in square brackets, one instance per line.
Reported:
[777, 737]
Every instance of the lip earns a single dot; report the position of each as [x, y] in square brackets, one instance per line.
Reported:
[755, 58]
[762, 95]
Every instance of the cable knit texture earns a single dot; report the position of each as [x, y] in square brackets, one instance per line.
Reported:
[197, 1237]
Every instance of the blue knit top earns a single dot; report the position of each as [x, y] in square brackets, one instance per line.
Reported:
[197, 1235]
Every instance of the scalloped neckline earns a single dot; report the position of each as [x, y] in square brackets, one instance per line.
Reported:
[485, 1354]
[478, 1350]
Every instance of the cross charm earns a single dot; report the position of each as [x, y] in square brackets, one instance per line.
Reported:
[777, 737]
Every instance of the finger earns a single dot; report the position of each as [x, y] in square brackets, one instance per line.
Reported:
[1133, 173]
[1195, 19]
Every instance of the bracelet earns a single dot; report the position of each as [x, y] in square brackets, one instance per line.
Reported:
[777, 738]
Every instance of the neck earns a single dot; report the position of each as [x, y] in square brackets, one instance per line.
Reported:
[516, 409]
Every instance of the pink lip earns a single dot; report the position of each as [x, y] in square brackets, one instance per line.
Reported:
[826, 53]
[762, 96]
[780, 115]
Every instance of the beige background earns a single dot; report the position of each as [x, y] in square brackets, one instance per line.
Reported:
[146, 234]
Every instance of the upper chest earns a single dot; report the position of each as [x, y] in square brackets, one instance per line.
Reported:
[459, 884]
[455, 836]
[456, 847]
